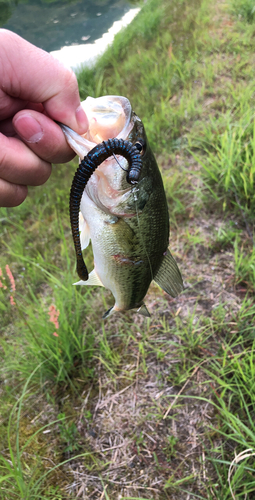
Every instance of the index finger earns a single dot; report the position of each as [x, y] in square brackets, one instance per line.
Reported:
[30, 73]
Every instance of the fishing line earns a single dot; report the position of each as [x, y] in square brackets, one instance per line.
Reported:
[125, 169]
[133, 190]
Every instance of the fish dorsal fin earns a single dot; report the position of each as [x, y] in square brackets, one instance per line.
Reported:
[143, 311]
[93, 280]
[169, 277]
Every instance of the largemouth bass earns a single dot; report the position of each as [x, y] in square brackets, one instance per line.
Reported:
[127, 221]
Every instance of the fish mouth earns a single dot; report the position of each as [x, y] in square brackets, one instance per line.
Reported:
[109, 117]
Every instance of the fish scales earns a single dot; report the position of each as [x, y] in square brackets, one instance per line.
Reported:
[86, 168]
[128, 225]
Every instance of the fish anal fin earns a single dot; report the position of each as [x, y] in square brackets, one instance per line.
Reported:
[143, 311]
[93, 280]
[169, 277]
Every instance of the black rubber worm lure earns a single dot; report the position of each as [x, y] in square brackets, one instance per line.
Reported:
[86, 168]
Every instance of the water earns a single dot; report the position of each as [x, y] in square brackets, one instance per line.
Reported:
[54, 24]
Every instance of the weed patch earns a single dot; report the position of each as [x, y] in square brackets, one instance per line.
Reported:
[243, 9]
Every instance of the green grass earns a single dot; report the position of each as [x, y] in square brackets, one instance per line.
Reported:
[229, 163]
[244, 9]
[20, 477]
[143, 408]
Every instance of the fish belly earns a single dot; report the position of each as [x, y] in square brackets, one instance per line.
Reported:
[120, 258]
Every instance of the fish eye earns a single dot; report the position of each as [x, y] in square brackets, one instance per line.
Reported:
[140, 145]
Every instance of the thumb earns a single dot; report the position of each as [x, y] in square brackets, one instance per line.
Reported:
[31, 74]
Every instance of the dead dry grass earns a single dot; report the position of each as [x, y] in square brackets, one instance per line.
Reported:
[144, 428]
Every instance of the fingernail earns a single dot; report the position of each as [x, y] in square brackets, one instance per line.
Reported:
[81, 119]
[28, 128]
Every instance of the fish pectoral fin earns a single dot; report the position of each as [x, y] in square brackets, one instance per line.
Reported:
[169, 277]
[84, 232]
[143, 311]
[93, 280]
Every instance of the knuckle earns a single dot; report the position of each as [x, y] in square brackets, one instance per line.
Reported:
[70, 81]
[19, 195]
[12, 195]
[41, 174]
[4, 162]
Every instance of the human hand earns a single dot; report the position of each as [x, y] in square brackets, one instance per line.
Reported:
[35, 89]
